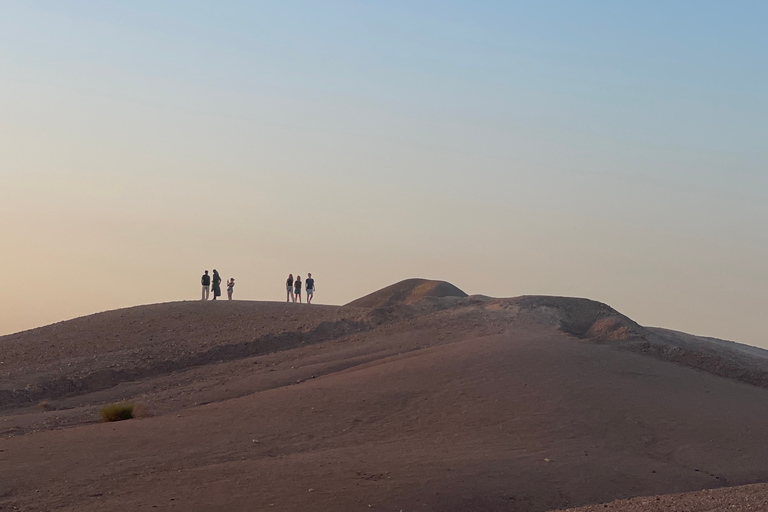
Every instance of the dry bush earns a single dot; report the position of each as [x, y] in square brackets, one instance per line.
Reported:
[117, 412]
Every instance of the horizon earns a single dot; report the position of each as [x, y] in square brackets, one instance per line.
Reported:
[305, 304]
[611, 152]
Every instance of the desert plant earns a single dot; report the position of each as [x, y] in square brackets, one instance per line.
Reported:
[117, 412]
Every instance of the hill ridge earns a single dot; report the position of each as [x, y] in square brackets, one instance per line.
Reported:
[140, 342]
[407, 291]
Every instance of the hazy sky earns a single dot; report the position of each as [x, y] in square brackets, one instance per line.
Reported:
[601, 149]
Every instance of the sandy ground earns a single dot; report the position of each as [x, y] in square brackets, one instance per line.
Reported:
[407, 292]
[449, 404]
[741, 498]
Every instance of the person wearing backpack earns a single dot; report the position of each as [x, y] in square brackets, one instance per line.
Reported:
[206, 282]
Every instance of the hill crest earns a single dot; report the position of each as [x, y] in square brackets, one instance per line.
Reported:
[406, 292]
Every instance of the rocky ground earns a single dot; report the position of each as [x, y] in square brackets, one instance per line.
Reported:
[444, 404]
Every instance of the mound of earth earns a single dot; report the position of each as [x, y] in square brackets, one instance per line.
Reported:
[740, 498]
[407, 292]
[440, 404]
[595, 321]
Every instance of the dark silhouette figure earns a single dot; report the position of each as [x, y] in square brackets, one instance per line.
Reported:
[230, 287]
[206, 282]
[216, 282]
[310, 285]
[297, 289]
[289, 289]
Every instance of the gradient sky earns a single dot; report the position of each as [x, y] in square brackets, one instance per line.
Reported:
[601, 149]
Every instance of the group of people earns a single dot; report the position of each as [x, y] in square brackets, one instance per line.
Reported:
[213, 283]
[293, 288]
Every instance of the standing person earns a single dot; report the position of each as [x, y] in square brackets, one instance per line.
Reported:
[206, 282]
[310, 288]
[230, 287]
[289, 288]
[216, 282]
[297, 289]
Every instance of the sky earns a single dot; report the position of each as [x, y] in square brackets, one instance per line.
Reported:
[600, 149]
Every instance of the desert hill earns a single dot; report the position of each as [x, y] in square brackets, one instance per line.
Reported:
[407, 292]
[442, 404]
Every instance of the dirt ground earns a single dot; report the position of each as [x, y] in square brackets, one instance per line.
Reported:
[741, 498]
[448, 404]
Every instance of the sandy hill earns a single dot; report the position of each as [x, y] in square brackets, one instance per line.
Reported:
[407, 292]
[442, 404]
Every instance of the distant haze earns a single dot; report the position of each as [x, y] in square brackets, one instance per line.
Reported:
[614, 151]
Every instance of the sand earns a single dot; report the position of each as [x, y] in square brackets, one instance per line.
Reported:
[407, 292]
[444, 404]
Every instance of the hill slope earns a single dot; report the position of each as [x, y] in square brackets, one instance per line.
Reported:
[407, 292]
[523, 404]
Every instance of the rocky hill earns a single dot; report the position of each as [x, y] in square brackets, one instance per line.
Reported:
[418, 401]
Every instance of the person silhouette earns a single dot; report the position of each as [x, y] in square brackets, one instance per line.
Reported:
[206, 282]
[230, 287]
[216, 284]
[297, 288]
[289, 289]
[310, 286]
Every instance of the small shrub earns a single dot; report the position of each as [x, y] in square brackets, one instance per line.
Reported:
[117, 412]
